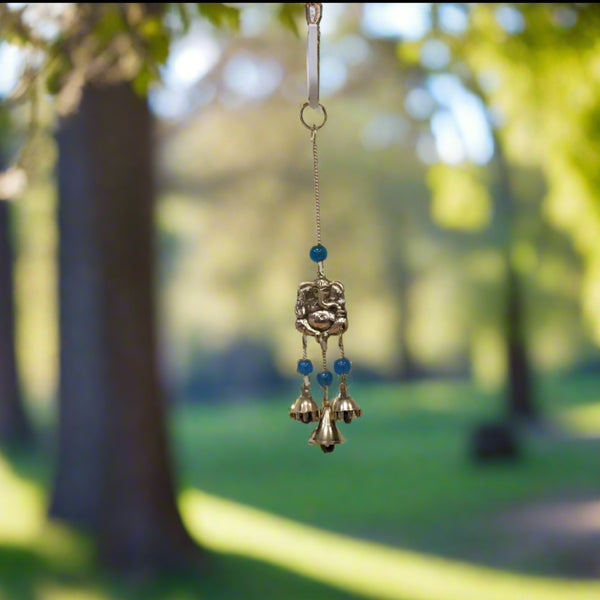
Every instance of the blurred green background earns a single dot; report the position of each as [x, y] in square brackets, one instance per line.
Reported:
[459, 186]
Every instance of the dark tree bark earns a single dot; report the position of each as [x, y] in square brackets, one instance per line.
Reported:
[521, 402]
[114, 473]
[14, 424]
[409, 370]
[520, 396]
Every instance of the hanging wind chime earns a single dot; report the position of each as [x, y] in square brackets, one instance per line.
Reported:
[321, 305]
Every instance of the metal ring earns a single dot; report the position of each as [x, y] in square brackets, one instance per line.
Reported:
[314, 127]
[314, 11]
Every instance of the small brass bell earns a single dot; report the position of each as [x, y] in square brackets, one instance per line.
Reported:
[326, 434]
[344, 406]
[305, 409]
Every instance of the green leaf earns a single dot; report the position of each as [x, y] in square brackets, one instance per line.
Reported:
[409, 52]
[58, 70]
[157, 39]
[108, 25]
[288, 15]
[143, 80]
[220, 15]
[159, 49]
[151, 27]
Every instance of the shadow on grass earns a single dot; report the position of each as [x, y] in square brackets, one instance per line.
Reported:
[432, 494]
[51, 562]
[25, 575]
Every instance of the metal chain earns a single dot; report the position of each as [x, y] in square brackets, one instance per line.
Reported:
[313, 138]
[313, 18]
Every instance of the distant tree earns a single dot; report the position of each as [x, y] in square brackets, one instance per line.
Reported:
[14, 424]
[114, 472]
[480, 50]
[521, 404]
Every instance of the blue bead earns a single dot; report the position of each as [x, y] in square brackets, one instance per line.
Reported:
[318, 253]
[342, 366]
[325, 378]
[305, 367]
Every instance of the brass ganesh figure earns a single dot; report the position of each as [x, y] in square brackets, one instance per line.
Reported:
[321, 308]
[321, 313]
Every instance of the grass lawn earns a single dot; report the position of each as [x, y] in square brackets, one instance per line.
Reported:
[403, 477]
[400, 492]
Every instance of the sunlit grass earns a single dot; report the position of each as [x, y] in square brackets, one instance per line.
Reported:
[404, 476]
[360, 567]
[51, 591]
[21, 507]
[583, 420]
[23, 522]
[277, 513]
[366, 568]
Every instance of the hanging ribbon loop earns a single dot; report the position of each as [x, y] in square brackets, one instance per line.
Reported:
[314, 12]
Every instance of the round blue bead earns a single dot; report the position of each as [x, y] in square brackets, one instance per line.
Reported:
[325, 378]
[305, 367]
[318, 253]
[342, 366]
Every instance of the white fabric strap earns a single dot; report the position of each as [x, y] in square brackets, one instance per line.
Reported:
[312, 65]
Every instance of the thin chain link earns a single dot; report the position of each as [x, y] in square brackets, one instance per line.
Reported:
[313, 137]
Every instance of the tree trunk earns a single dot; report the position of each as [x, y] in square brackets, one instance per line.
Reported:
[520, 400]
[14, 425]
[409, 369]
[520, 394]
[114, 472]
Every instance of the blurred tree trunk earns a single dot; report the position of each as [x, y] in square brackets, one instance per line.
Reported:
[114, 474]
[396, 231]
[14, 425]
[520, 397]
[409, 370]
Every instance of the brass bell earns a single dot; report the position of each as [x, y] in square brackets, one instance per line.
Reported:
[326, 434]
[305, 409]
[344, 406]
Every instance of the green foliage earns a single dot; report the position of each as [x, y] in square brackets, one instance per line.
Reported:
[144, 80]
[220, 15]
[57, 73]
[14, 30]
[97, 43]
[107, 25]
[288, 15]
[549, 93]
[460, 199]
[543, 79]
